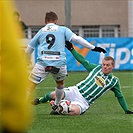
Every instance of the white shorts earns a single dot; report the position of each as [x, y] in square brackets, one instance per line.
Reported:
[73, 95]
[38, 74]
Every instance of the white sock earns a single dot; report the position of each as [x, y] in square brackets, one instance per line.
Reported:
[59, 93]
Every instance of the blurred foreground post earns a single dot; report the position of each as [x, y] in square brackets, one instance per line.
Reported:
[15, 112]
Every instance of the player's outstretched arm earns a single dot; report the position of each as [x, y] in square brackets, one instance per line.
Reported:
[77, 55]
[121, 99]
[89, 66]
[86, 44]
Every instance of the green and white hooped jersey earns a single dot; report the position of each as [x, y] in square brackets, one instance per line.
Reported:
[96, 84]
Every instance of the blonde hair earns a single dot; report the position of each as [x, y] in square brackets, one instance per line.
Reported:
[110, 58]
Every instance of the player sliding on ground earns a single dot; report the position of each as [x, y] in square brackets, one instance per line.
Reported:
[99, 81]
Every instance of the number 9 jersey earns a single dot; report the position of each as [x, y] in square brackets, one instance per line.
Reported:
[50, 44]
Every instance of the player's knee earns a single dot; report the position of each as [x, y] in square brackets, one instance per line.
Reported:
[75, 110]
[53, 95]
[74, 113]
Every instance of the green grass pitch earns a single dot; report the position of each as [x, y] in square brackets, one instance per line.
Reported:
[104, 116]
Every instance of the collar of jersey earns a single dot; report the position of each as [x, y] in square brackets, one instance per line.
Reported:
[50, 24]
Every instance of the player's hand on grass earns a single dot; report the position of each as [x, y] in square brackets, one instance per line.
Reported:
[69, 45]
[99, 49]
[128, 112]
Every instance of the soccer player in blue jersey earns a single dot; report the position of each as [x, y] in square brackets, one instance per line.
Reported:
[99, 81]
[50, 41]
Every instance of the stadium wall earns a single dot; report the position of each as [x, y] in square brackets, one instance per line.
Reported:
[83, 13]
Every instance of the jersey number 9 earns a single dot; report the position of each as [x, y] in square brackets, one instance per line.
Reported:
[50, 39]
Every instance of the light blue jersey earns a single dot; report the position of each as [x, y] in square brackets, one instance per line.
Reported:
[51, 44]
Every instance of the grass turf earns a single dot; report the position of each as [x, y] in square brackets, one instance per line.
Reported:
[104, 116]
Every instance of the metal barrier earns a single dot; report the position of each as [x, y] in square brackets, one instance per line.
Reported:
[89, 31]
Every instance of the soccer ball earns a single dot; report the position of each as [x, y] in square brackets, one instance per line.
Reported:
[64, 107]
